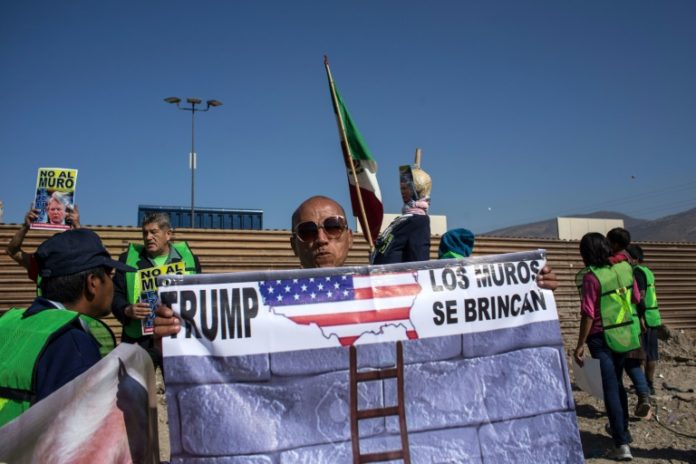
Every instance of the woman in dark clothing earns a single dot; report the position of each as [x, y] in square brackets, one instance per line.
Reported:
[407, 238]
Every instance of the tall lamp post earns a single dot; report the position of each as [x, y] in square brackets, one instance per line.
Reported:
[192, 157]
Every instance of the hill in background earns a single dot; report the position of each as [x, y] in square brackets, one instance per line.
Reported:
[680, 227]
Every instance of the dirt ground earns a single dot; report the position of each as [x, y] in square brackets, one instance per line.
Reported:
[162, 424]
[668, 437]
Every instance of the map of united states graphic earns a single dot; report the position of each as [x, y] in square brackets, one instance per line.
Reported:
[346, 306]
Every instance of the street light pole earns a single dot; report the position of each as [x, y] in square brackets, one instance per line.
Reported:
[192, 163]
[192, 157]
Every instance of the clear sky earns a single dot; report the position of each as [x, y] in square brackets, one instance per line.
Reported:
[525, 110]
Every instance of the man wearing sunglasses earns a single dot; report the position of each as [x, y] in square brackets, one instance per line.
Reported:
[320, 233]
[320, 238]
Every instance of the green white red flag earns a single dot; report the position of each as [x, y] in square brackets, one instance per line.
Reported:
[365, 195]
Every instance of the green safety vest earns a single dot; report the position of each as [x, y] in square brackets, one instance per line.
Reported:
[579, 278]
[101, 333]
[619, 315]
[652, 311]
[22, 342]
[133, 328]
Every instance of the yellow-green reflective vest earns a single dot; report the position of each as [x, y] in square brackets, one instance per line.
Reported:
[619, 316]
[22, 341]
[652, 311]
[133, 328]
[579, 278]
[101, 333]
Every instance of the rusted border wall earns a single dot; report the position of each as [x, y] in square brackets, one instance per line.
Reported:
[674, 264]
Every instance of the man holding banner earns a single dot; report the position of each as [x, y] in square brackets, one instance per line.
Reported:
[320, 238]
[135, 292]
[279, 349]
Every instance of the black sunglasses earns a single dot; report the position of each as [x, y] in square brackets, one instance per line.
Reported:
[333, 226]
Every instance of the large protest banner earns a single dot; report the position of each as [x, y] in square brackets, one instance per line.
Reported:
[106, 415]
[440, 361]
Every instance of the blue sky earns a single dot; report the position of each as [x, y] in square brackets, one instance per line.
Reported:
[525, 110]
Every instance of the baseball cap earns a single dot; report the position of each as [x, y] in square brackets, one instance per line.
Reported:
[74, 251]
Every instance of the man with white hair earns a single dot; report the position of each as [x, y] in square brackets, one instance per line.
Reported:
[157, 249]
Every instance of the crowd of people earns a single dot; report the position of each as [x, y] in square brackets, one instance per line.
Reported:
[60, 336]
[619, 323]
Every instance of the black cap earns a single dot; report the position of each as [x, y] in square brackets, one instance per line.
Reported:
[74, 251]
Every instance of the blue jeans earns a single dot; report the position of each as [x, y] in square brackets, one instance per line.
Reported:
[615, 399]
[635, 372]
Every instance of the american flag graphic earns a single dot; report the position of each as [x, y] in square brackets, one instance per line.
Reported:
[346, 306]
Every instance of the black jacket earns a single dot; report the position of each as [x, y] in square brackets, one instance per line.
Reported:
[406, 239]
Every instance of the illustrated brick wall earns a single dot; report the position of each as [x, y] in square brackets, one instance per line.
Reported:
[497, 396]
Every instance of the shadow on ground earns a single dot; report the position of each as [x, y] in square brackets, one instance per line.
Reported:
[594, 445]
[588, 411]
[664, 454]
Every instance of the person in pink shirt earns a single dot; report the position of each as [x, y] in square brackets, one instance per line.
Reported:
[596, 253]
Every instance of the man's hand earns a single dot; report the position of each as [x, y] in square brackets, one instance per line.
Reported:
[579, 355]
[138, 310]
[166, 322]
[73, 218]
[31, 216]
[547, 279]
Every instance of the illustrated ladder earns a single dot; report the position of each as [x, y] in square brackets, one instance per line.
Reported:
[398, 410]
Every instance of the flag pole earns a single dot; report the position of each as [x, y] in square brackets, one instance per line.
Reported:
[347, 155]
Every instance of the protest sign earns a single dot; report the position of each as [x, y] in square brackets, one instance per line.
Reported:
[267, 365]
[406, 181]
[54, 198]
[146, 287]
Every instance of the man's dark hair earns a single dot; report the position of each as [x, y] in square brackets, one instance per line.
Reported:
[161, 219]
[619, 238]
[635, 251]
[595, 249]
[69, 288]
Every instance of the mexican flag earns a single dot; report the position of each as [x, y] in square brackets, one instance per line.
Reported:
[362, 180]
